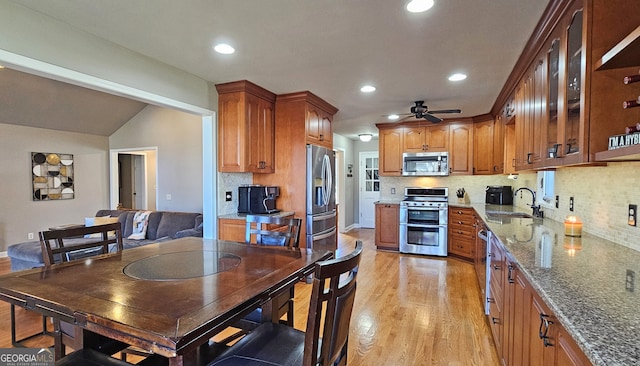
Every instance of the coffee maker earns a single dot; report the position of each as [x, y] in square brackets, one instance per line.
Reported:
[257, 199]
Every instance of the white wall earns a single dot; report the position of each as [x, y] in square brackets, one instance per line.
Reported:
[39, 37]
[350, 201]
[19, 214]
[178, 139]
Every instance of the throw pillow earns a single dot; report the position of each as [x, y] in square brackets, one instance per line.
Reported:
[99, 220]
[140, 223]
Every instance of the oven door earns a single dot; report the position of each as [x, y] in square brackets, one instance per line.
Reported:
[423, 239]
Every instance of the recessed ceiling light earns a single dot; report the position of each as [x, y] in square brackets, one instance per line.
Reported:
[368, 89]
[393, 117]
[419, 6]
[457, 77]
[224, 48]
[1, 67]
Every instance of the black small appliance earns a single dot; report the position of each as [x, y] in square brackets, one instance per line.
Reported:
[499, 195]
[257, 199]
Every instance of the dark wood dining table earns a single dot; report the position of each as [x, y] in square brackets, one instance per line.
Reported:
[168, 298]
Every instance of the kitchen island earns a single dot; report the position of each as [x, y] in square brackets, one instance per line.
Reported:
[587, 282]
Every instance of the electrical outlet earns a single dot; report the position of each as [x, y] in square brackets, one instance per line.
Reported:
[633, 214]
[30, 236]
[630, 282]
[571, 204]
[557, 201]
[393, 190]
[168, 196]
[228, 196]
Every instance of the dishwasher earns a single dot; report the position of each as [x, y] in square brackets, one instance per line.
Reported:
[483, 268]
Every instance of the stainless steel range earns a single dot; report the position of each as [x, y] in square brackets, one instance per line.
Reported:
[423, 221]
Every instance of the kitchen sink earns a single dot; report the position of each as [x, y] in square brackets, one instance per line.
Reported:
[508, 214]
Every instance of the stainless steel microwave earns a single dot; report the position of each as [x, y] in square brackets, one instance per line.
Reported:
[425, 164]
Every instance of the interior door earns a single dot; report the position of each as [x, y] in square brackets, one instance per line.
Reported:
[369, 188]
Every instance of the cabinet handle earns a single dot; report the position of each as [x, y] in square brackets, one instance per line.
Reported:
[529, 158]
[495, 320]
[513, 163]
[544, 329]
[510, 273]
[490, 299]
[321, 137]
[460, 222]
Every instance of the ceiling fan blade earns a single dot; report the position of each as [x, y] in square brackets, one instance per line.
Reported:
[446, 111]
[431, 118]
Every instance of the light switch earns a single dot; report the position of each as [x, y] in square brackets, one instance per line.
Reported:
[633, 214]
[168, 196]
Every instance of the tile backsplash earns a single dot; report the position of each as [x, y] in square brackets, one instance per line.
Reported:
[229, 182]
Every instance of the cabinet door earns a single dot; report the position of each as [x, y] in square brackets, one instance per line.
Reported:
[414, 139]
[551, 147]
[567, 351]
[387, 226]
[461, 148]
[437, 138]
[326, 131]
[542, 330]
[498, 145]
[314, 124]
[520, 299]
[390, 147]
[483, 147]
[260, 114]
[232, 130]
[231, 229]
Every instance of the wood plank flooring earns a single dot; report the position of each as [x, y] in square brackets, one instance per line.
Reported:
[409, 310]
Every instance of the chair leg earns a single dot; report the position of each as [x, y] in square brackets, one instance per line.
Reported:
[59, 348]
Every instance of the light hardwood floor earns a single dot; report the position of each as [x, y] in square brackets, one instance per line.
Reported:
[409, 310]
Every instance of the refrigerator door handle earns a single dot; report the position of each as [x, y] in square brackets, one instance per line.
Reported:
[325, 235]
[327, 180]
[323, 217]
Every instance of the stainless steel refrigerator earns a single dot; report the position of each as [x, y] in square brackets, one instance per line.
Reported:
[321, 198]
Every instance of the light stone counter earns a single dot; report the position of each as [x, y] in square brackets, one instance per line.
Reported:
[585, 285]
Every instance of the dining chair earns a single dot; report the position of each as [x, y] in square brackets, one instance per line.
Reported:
[270, 231]
[334, 288]
[100, 239]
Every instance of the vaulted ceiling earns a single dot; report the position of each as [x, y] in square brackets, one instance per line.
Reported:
[330, 47]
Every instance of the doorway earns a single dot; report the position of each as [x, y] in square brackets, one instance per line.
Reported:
[133, 178]
[369, 188]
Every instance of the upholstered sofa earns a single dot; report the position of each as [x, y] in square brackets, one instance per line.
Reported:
[162, 226]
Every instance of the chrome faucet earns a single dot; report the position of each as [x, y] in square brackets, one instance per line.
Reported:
[536, 208]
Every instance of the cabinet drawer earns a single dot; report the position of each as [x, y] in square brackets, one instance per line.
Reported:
[461, 212]
[467, 221]
[468, 233]
[461, 247]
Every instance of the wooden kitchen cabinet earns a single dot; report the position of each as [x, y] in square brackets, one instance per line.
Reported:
[462, 232]
[461, 148]
[483, 147]
[293, 131]
[426, 138]
[245, 128]
[318, 122]
[231, 229]
[390, 145]
[387, 226]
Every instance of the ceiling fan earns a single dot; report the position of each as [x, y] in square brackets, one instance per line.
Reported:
[419, 110]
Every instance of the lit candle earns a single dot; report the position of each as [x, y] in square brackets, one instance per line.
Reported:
[572, 226]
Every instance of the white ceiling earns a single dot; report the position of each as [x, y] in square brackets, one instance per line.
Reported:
[330, 47]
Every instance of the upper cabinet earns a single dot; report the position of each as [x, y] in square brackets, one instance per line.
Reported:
[461, 148]
[488, 146]
[245, 128]
[319, 130]
[390, 145]
[426, 138]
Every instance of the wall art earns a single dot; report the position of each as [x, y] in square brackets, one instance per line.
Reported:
[52, 176]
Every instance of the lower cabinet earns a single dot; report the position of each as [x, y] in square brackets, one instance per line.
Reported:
[231, 229]
[462, 232]
[533, 335]
[388, 226]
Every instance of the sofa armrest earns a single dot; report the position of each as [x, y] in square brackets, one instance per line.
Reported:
[188, 232]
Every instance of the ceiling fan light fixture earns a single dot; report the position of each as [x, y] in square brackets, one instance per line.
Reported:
[393, 117]
[457, 77]
[224, 49]
[368, 89]
[365, 137]
[419, 6]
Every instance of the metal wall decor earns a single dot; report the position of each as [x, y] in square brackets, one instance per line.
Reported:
[52, 175]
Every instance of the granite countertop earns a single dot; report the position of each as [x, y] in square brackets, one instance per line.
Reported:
[584, 281]
[237, 216]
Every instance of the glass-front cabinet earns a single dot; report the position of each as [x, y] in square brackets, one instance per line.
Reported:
[553, 72]
[574, 108]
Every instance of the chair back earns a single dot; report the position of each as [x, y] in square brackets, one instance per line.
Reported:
[54, 249]
[334, 286]
[286, 232]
